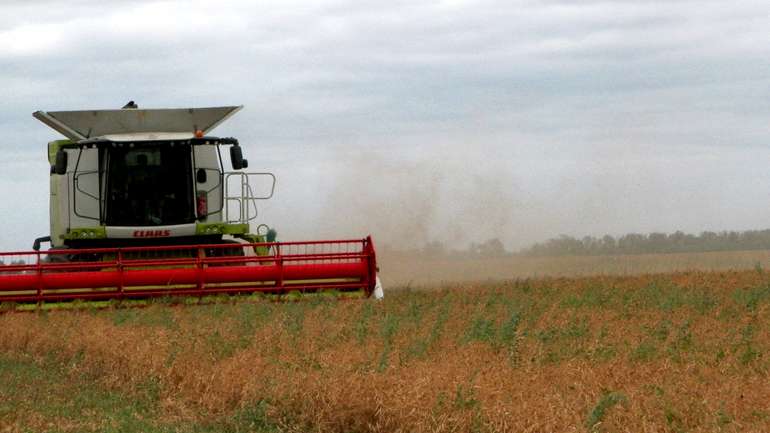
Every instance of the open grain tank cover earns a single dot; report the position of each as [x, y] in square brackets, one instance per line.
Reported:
[181, 122]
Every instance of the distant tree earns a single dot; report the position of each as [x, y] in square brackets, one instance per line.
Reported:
[635, 243]
[608, 245]
[434, 248]
[489, 248]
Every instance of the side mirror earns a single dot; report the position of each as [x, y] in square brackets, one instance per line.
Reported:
[38, 241]
[61, 162]
[236, 157]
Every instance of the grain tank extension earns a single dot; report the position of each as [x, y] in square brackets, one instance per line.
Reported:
[141, 205]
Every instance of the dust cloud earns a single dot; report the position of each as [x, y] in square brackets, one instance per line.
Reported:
[406, 204]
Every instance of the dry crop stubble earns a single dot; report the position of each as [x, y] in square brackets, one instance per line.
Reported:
[667, 352]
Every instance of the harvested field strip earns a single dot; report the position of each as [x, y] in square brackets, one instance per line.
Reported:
[420, 270]
[674, 352]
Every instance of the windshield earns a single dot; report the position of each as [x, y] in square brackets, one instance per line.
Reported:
[149, 186]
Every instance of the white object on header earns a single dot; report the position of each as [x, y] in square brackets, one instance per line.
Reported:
[378, 292]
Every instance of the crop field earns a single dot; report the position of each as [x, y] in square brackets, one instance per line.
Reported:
[673, 352]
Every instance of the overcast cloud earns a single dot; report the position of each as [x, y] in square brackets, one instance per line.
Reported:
[453, 120]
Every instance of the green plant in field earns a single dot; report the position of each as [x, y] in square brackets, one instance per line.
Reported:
[547, 335]
[662, 330]
[670, 415]
[749, 355]
[174, 350]
[565, 342]
[415, 310]
[599, 411]
[294, 318]
[150, 391]
[441, 402]
[595, 296]
[125, 316]
[362, 323]
[481, 329]
[720, 354]
[523, 285]
[723, 417]
[153, 316]
[729, 312]
[509, 334]
[251, 418]
[577, 328]
[751, 298]
[659, 294]
[702, 301]
[484, 329]
[664, 295]
[477, 422]
[747, 333]
[420, 347]
[465, 398]
[493, 300]
[670, 300]
[604, 351]
[673, 419]
[645, 351]
[388, 331]
[249, 316]
[218, 309]
[748, 351]
[219, 346]
[682, 341]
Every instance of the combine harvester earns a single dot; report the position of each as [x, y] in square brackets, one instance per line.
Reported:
[141, 206]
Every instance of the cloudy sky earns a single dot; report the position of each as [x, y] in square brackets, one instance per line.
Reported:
[416, 121]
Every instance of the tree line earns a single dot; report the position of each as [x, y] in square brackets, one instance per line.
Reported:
[634, 243]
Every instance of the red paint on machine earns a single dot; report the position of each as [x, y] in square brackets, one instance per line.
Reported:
[333, 265]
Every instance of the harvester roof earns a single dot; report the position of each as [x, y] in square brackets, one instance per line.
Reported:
[135, 124]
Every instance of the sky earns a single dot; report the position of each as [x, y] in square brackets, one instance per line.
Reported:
[454, 121]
